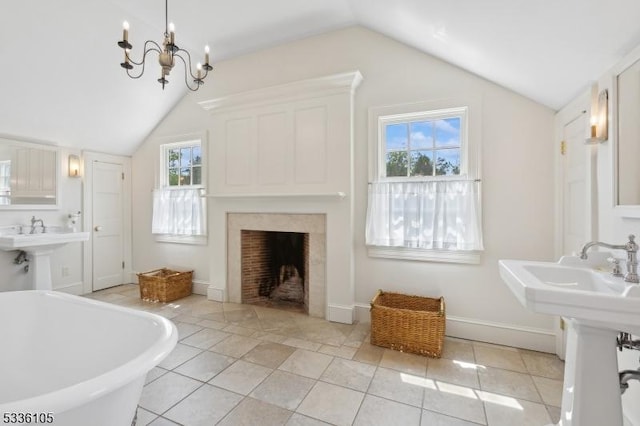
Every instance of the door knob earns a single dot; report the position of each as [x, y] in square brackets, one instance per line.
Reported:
[98, 228]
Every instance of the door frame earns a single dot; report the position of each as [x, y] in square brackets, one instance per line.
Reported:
[87, 221]
[580, 106]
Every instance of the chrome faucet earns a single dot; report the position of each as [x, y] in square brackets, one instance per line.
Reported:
[632, 256]
[34, 221]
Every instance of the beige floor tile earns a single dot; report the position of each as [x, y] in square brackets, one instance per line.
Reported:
[306, 363]
[516, 412]
[235, 346]
[453, 371]
[186, 329]
[554, 413]
[457, 349]
[350, 374]
[402, 361]
[153, 374]
[453, 400]
[430, 418]
[298, 419]
[241, 377]
[269, 354]
[160, 421]
[205, 338]
[345, 352]
[164, 392]
[240, 315]
[283, 389]
[186, 319]
[509, 383]
[378, 411]
[205, 366]
[254, 412]
[443, 392]
[332, 404]
[269, 337]
[369, 353]
[242, 331]
[358, 335]
[543, 365]
[180, 354]
[499, 357]
[398, 386]
[216, 325]
[302, 344]
[144, 417]
[206, 406]
[550, 390]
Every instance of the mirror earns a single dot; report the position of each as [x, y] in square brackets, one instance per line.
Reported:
[628, 141]
[28, 175]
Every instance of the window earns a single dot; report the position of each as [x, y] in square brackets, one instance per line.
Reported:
[425, 144]
[424, 194]
[179, 210]
[182, 164]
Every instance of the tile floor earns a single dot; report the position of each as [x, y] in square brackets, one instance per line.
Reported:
[247, 365]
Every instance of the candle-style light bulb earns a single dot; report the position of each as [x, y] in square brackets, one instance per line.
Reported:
[125, 31]
[199, 68]
[172, 32]
[206, 54]
[594, 122]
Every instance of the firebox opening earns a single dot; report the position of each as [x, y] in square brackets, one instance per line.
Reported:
[275, 269]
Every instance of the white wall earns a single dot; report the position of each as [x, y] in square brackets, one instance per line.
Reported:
[13, 277]
[517, 186]
[614, 228]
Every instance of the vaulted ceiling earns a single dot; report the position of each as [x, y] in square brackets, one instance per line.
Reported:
[61, 82]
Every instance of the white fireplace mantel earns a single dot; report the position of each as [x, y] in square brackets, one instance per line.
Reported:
[286, 150]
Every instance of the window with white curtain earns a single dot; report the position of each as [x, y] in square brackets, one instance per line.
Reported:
[424, 191]
[179, 210]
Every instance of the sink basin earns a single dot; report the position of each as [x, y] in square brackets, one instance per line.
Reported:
[596, 306]
[39, 247]
[574, 292]
[41, 241]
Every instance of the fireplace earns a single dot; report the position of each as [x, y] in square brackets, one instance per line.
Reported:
[272, 256]
[274, 269]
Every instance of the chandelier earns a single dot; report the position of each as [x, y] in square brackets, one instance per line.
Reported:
[167, 54]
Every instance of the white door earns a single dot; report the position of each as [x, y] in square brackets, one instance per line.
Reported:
[577, 202]
[108, 225]
[577, 211]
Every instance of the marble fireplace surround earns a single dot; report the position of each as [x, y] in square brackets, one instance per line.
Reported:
[312, 224]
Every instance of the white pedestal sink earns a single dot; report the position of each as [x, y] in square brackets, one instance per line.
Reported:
[597, 307]
[40, 247]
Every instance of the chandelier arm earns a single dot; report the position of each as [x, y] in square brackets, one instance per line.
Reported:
[186, 62]
[186, 80]
[156, 48]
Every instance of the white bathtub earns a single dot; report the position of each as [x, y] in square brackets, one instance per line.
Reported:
[81, 360]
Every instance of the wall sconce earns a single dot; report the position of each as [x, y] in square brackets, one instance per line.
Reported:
[74, 166]
[599, 125]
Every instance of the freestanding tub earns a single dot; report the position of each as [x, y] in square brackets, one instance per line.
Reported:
[71, 361]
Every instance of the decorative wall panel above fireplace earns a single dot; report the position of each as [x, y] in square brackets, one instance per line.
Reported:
[291, 138]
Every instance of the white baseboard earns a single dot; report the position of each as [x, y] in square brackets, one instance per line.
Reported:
[536, 339]
[340, 313]
[74, 288]
[215, 293]
[200, 287]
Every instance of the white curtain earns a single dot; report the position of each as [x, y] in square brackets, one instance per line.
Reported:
[178, 212]
[441, 215]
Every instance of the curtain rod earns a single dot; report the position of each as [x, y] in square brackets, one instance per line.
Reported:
[421, 181]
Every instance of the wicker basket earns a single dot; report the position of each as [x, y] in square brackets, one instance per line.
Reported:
[164, 285]
[408, 323]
